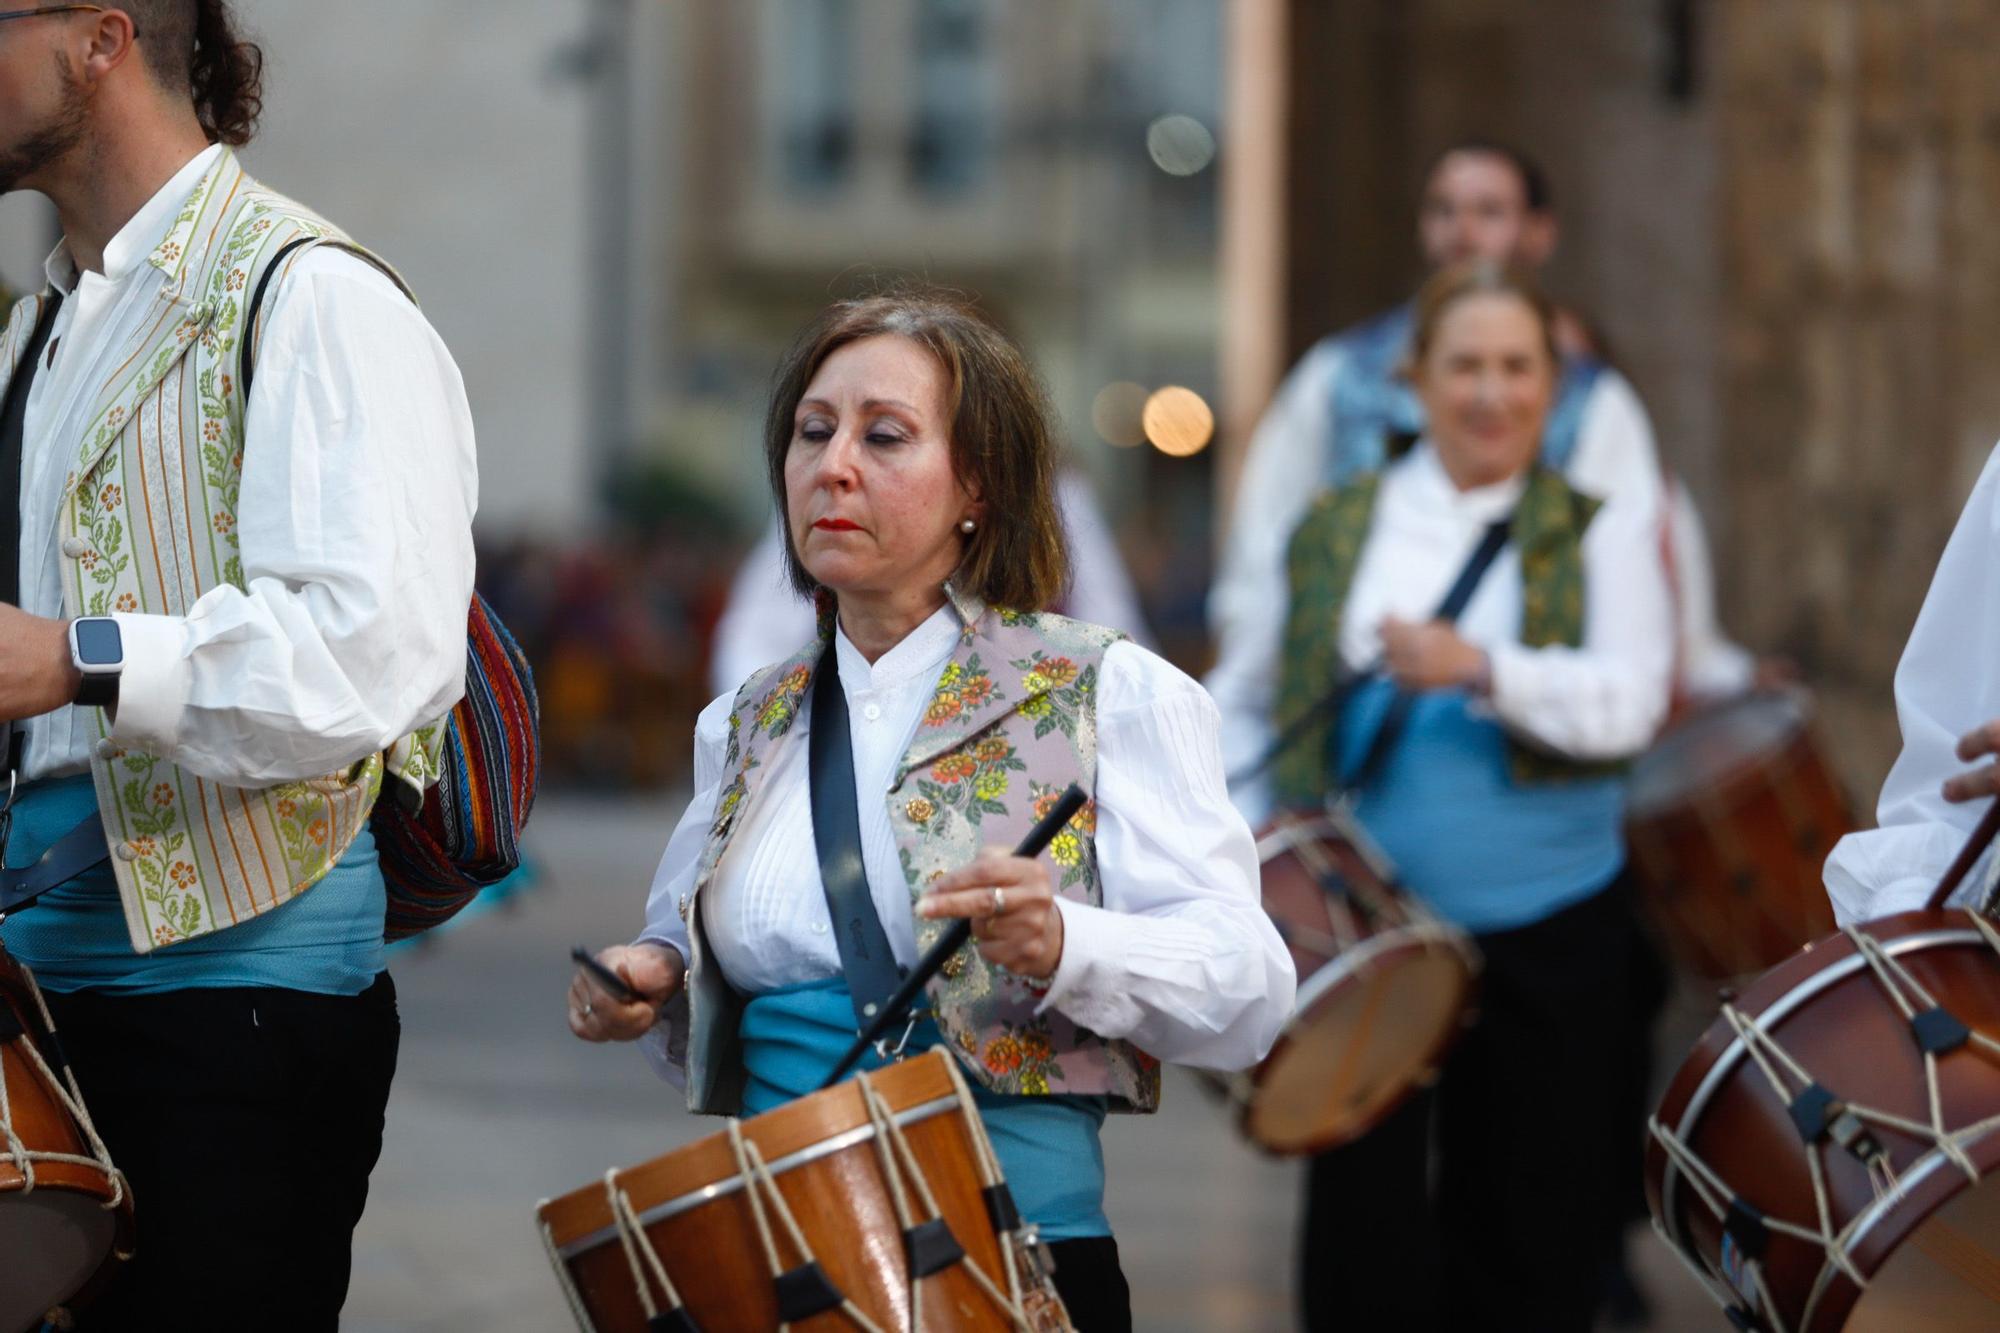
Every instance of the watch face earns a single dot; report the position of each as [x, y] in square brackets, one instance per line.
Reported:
[98, 643]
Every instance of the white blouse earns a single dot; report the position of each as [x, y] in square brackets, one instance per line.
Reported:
[1602, 700]
[1180, 959]
[359, 484]
[1947, 684]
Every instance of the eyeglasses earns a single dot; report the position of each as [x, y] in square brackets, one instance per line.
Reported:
[50, 9]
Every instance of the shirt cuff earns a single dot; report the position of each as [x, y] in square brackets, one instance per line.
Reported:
[1089, 934]
[1510, 682]
[153, 686]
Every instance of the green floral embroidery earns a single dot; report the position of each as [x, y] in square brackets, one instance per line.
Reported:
[781, 706]
[161, 854]
[968, 781]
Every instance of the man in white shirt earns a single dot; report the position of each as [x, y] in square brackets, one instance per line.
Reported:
[1948, 705]
[233, 608]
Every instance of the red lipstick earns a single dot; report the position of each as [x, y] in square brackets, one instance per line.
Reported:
[837, 525]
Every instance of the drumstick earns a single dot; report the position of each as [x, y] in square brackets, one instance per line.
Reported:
[953, 939]
[1982, 837]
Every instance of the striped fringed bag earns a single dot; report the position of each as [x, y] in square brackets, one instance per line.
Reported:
[465, 834]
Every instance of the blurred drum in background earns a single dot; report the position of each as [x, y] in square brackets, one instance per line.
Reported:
[1827, 1157]
[1729, 819]
[65, 1213]
[878, 1201]
[1383, 989]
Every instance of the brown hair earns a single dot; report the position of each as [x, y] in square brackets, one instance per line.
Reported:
[1002, 437]
[193, 46]
[1477, 277]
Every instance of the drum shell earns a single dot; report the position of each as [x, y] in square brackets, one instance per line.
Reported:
[1391, 933]
[1826, 1008]
[1730, 873]
[711, 1248]
[41, 1122]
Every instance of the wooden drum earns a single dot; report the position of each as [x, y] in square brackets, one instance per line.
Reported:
[1383, 989]
[874, 1204]
[1827, 1157]
[65, 1213]
[1730, 817]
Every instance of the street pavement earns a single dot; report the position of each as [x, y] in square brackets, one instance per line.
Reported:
[496, 1106]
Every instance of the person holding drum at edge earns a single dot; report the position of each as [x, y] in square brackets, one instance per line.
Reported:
[1483, 756]
[912, 456]
[1948, 706]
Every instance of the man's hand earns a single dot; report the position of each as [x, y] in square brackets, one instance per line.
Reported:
[1980, 781]
[1430, 656]
[36, 674]
[1012, 905]
[654, 970]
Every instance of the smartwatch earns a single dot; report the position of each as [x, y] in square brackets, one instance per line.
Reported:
[98, 652]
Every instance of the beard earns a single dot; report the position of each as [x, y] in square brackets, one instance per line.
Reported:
[59, 133]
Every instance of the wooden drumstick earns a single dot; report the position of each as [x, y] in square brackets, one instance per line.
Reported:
[954, 938]
[1982, 837]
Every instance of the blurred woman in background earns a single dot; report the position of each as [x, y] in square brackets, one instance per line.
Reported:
[1483, 756]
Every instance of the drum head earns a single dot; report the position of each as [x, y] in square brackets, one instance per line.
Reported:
[1367, 1030]
[1709, 747]
[1945, 1276]
[53, 1241]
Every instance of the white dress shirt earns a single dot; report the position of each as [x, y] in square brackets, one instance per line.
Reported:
[1947, 684]
[1180, 958]
[766, 619]
[1602, 700]
[359, 486]
[1712, 665]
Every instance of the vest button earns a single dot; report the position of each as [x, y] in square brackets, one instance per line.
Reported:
[127, 852]
[105, 749]
[74, 547]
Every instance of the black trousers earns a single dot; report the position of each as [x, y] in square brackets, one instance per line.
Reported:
[1092, 1285]
[1487, 1201]
[247, 1121]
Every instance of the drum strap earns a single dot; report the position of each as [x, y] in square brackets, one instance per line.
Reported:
[1454, 603]
[865, 956]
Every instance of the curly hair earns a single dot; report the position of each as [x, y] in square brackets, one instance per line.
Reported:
[193, 46]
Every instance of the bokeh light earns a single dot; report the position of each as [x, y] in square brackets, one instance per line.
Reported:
[1180, 145]
[1118, 412]
[1178, 421]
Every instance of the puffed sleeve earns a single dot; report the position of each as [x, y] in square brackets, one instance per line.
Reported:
[1947, 684]
[666, 1045]
[1180, 959]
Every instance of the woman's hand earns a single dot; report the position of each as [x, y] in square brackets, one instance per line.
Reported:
[654, 970]
[1430, 656]
[1980, 781]
[1012, 905]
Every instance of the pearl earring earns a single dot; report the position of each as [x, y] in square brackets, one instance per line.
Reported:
[966, 525]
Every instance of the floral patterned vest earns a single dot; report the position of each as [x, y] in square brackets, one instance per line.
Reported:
[1548, 527]
[148, 525]
[1012, 723]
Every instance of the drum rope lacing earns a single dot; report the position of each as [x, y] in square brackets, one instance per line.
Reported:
[67, 1092]
[891, 1143]
[578, 1311]
[1716, 1195]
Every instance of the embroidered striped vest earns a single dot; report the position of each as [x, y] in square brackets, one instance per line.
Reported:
[148, 525]
[1012, 723]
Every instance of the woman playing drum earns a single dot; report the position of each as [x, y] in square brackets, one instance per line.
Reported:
[912, 457]
[1495, 792]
